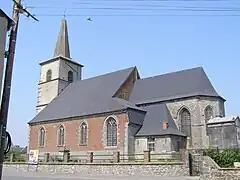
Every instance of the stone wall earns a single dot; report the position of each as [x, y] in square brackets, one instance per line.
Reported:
[223, 174]
[211, 171]
[166, 169]
[196, 107]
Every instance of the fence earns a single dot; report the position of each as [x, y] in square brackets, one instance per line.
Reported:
[115, 157]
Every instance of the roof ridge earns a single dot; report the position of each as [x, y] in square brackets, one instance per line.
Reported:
[175, 72]
[120, 70]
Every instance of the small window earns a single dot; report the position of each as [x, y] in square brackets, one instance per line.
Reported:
[151, 144]
[83, 134]
[123, 94]
[138, 142]
[61, 136]
[49, 75]
[41, 137]
[70, 76]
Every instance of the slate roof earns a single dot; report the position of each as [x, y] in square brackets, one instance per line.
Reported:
[62, 47]
[86, 97]
[153, 122]
[95, 95]
[180, 84]
[221, 120]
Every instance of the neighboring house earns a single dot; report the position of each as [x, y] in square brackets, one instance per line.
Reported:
[119, 111]
[5, 24]
[224, 132]
[24, 150]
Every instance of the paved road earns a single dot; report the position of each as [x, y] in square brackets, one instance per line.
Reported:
[13, 175]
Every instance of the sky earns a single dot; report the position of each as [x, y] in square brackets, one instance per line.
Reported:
[156, 41]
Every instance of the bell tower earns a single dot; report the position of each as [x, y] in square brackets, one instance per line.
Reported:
[58, 72]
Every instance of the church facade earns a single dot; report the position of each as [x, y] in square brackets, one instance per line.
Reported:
[120, 111]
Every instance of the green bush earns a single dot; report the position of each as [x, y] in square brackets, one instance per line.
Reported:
[19, 157]
[224, 158]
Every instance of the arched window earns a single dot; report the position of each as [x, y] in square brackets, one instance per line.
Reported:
[70, 76]
[111, 132]
[41, 137]
[83, 134]
[208, 113]
[61, 135]
[185, 122]
[49, 75]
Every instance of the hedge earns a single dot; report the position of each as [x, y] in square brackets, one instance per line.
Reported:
[225, 158]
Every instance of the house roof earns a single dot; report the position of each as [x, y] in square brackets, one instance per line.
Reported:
[221, 120]
[153, 122]
[86, 97]
[180, 84]
[3, 14]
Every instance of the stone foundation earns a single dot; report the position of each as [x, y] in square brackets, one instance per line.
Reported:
[222, 174]
[170, 169]
[211, 171]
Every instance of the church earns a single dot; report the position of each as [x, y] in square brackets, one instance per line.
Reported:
[119, 111]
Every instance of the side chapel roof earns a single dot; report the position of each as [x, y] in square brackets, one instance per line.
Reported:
[153, 122]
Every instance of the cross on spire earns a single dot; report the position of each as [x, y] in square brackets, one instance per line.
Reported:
[64, 14]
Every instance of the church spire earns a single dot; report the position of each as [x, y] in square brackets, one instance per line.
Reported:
[62, 45]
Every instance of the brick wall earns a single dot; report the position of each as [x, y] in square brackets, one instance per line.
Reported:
[95, 134]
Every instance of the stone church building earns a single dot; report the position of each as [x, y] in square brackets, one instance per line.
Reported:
[119, 111]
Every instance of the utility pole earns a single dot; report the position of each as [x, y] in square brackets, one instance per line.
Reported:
[17, 10]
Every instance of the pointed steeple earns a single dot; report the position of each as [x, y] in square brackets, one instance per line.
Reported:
[62, 46]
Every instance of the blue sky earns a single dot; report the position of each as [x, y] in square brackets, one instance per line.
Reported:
[155, 44]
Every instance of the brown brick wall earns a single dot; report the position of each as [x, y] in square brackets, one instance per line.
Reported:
[95, 134]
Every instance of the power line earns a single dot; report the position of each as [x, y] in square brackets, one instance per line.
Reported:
[141, 15]
[161, 0]
[139, 9]
[150, 9]
[148, 5]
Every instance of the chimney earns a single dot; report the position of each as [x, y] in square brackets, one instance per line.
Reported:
[165, 124]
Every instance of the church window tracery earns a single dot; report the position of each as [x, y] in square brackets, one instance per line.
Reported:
[41, 137]
[83, 134]
[111, 131]
[208, 114]
[61, 135]
[185, 118]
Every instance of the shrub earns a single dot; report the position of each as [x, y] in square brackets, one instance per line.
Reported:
[224, 158]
